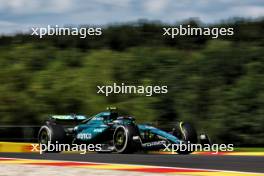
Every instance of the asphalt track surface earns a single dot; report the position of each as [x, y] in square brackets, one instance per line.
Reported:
[216, 162]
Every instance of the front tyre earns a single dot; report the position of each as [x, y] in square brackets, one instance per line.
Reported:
[124, 139]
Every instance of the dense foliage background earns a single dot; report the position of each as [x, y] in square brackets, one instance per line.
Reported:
[215, 83]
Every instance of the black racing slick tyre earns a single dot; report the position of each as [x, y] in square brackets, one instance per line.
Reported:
[50, 135]
[126, 139]
[187, 133]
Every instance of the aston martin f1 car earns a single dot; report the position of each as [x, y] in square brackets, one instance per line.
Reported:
[115, 133]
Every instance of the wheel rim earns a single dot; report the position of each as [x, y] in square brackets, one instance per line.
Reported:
[44, 137]
[120, 139]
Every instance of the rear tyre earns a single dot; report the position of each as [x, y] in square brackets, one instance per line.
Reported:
[51, 134]
[187, 133]
[123, 139]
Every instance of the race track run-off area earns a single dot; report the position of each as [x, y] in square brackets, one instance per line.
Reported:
[130, 164]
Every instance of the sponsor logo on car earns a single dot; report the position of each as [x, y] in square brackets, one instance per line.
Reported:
[98, 130]
[84, 136]
[155, 143]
